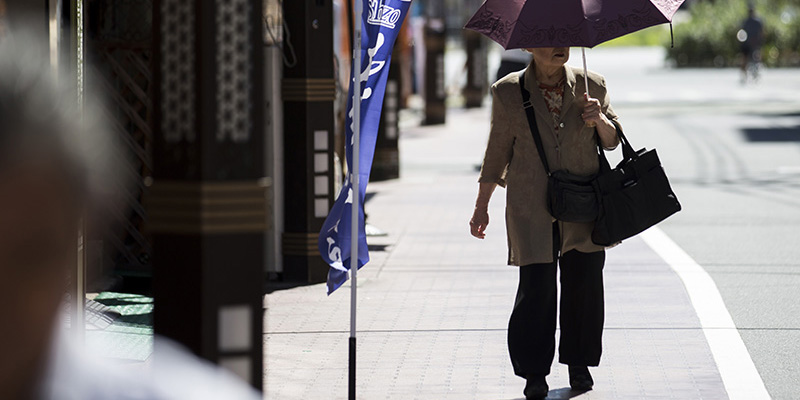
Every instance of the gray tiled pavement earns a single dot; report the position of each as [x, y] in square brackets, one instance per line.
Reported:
[434, 305]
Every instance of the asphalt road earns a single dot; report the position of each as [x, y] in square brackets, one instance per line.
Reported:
[732, 152]
[733, 155]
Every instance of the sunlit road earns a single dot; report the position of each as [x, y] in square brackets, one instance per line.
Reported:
[733, 155]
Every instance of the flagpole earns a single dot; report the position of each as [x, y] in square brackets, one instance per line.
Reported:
[356, 185]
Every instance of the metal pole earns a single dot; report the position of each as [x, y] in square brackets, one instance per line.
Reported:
[356, 185]
[77, 59]
[586, 80]
[585, 70]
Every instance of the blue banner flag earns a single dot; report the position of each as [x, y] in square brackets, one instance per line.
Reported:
[380, 24]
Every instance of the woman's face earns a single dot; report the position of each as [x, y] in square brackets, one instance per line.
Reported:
[551, 57]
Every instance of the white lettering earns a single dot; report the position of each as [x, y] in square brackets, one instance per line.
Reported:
[383, 15]
[349, 199]
[373, 68]
[335, 254]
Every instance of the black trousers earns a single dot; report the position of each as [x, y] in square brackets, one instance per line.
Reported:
[532, 327]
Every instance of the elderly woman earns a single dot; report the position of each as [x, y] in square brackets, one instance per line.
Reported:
[567, 120]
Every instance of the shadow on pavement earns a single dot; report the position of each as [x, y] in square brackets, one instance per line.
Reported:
[273, 285]
[560, 394]
[777, 134]
[780, 114]
[141, 321]
[112, 302]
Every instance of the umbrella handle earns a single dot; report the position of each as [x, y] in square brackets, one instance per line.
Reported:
[586, 82]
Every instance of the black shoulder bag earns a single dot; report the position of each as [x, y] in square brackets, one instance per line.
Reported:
[570, 197]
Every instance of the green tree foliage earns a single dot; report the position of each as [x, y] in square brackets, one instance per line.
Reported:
[708, 38]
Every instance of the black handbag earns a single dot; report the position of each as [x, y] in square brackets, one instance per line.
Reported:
[622, 202]
[570, 197]
[634, 196]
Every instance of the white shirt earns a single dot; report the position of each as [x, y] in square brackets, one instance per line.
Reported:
[171, 374]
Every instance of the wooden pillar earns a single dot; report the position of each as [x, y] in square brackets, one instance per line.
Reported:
[309, 91]
[207, 203]
[435, 37]
[477, 67]
[386, 164]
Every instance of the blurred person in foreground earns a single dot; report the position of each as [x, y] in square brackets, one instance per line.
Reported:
[751, 37]
[55, 163]
[538, 243]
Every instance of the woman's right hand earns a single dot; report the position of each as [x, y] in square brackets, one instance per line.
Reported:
[479, 221]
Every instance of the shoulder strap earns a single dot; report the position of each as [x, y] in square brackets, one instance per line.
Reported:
[526, 104]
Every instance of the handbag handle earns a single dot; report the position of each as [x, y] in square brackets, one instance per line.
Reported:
[627, 149]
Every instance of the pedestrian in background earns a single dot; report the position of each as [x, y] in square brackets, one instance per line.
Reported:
[751, 36]
[539, 243]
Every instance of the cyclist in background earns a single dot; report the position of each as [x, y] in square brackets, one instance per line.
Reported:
[751, 36]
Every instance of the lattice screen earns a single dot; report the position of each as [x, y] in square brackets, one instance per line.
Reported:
[120, 49]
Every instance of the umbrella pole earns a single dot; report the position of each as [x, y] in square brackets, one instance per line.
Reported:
[586, 81]
[585, 71]
[356, 187]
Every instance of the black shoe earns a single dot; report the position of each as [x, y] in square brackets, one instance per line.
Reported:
[536, 388]
[580, 378]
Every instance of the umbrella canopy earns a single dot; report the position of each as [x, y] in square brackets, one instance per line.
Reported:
[556, 23]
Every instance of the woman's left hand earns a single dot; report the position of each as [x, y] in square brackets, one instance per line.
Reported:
[592, 111]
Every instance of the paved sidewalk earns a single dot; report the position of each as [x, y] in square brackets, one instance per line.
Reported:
[434, 302]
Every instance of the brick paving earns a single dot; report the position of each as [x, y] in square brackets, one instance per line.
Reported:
[434, 302]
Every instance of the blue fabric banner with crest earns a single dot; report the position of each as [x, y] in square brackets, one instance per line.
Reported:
[380, 24]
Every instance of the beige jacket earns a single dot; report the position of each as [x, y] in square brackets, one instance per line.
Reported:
[512, 161]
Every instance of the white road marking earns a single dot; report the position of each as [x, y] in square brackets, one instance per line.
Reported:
[739, 374]
[789, 170]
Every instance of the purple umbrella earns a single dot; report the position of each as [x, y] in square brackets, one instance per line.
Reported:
[555, 23]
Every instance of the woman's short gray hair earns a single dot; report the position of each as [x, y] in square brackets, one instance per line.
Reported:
[40, 114]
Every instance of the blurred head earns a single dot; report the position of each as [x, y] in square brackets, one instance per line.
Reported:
[549, 57]
[51, 166]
